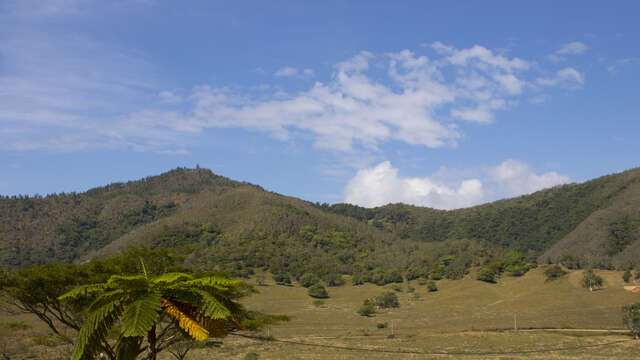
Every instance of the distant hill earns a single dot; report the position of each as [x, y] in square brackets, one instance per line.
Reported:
[225, 223]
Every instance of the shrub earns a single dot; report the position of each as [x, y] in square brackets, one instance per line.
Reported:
[591, 280]
[487, 274]
[396, 288]
[626, 276]
[308, 279]
[334, 279]
[383, 325]
[631, 318]
[554, 272]
[282, 279]
[422, 281]
[387, 300]
[431, 286]
[317, 291]
[367, 309]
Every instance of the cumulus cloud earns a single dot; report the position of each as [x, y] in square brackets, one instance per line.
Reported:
[517, 178]
[382, 184]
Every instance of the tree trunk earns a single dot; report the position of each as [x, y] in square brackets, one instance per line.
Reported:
[153, 349]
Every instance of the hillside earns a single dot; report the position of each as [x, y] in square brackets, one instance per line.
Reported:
[240, 227]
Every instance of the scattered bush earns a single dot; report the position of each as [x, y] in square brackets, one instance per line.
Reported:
[308, 279]
[282, 279]
[367, 309]
[487, 274]
[317, 291]
[396, 288]
[591, 280]
[626, 276]
[431, 286]
[422, 281]
[554, 272]
[383, 325]
[631, 319]
[334, 279]
[387, 300]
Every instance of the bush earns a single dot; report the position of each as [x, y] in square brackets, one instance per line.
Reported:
[422, 281]
[591, 280]
[626, 276]
[367, 309]
[487, 274]
[431, 286]
[554, 272]
[308, 279]
[334, 279]
[631, 319]
[282, 279]
[383, 325]
[318, 291]
[396, 288]
[387, 300]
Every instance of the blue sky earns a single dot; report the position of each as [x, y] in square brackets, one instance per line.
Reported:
[441, 103]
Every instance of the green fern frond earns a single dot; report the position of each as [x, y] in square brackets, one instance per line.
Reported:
[132, 282]
[94, 331]
[106, 298]
[140, 316]
[172, 278]
[211, 306]
[212, 281]
[82, 291]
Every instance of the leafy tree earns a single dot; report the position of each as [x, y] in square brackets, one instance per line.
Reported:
[431, 286]
[631, 318]
[487, 274]
[282, 279]
[387, 300]
[308, 279]
[194, 307]
[590, 280]
[317, 291]
[554, 272]
[367, 309]
[626, 276]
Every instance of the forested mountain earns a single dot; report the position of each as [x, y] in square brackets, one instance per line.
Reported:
[238, 227]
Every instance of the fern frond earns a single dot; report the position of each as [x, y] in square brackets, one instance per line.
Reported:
[106, 298]
[172, 277]
[140, 316]
[189, 325]
[94, 331]
[131, 282]
[82, 291]
[211, 306]
[213, 281]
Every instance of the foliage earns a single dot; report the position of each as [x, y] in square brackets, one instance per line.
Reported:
[621, 234]
[367, 309]
[383, 325]
[591, 280]
[282, 279]
[487, 274]
[631, 318]
[431, 286]
[626, 277]
[554, 272]
[387, 300]
[317, 291]
[308, 279]
[396, 287]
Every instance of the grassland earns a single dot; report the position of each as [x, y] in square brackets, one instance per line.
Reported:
[464, 319]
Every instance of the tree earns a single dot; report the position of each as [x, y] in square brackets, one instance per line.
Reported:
[387, 300]
[590, 280]
[487, 274]
[367, 309]
[317, 291]
[626, 276]
[282, 279]
[308, 279]
[554, 272]
[431, 286]
[631, 318]
[174, 303]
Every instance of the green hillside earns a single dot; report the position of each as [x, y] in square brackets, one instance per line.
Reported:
[239, 227]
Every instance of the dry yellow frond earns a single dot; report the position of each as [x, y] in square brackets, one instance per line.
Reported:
[185, 322]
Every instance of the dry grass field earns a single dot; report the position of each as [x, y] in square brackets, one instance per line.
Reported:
[464, 319]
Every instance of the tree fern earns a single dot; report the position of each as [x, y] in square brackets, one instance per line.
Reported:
[140, 315]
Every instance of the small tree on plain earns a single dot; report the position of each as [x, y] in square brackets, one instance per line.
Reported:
[317, 291]
[626, 276]
[367, 309]
[554, 272]
[431, 286]
[591, 280]
[631, 318]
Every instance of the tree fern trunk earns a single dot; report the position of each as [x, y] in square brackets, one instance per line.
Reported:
[153, 349]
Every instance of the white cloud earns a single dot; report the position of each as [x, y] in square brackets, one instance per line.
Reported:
[567, 77]
[381, 184]
[170, 97]
[517, 178]
[287, 71]
[572, 48]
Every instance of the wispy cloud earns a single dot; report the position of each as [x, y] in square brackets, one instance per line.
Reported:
[572, 48]
[293, 72]
[567, 77]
